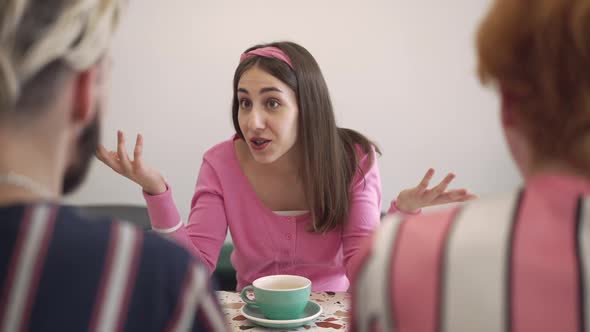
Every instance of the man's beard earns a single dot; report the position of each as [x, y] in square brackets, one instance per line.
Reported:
[86, 149]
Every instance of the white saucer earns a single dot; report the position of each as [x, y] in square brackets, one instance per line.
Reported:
[312, 311]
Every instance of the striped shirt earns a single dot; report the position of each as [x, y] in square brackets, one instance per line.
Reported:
[517, 262]
[61, 271]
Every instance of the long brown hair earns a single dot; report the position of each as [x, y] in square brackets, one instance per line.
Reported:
[538, 53]
[330, 157]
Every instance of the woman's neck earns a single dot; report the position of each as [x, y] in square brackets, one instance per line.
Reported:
[286, 166]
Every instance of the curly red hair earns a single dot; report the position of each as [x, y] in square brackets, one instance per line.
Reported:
[538, 53]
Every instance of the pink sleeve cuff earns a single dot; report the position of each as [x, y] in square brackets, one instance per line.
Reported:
[394, 209]
[163, 213]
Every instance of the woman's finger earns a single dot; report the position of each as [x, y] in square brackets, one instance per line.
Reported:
[426, 180]
[122, 152]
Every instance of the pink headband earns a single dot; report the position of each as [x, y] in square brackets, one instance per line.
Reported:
[268, 52]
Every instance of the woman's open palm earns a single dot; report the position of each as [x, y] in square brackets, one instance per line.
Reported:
[149, 179]
[421, 196]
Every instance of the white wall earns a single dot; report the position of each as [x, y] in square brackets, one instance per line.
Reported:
[402, 72]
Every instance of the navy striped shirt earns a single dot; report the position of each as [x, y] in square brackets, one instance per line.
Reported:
[61, 271]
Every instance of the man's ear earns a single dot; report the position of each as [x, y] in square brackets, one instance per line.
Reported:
[85, 92]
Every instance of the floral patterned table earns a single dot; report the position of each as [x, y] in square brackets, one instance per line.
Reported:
[333, 318]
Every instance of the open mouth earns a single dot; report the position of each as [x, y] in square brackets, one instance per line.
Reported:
[259, 143]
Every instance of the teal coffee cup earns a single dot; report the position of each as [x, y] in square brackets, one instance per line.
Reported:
[280, 297]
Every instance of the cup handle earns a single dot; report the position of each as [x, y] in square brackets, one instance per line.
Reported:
[245, 298]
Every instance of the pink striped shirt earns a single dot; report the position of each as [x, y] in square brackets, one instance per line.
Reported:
[266, 243]
[518, 262]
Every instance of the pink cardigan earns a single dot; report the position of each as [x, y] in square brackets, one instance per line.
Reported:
[266, 243]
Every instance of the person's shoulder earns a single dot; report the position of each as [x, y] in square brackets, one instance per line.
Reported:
[164, 251]
[221, 151]
[362, 152]
[427, 217]
[78, 230]
[485, 211]
[366, 157]
[74, 237]
[89, 236]
[221, 159]
[366, 166]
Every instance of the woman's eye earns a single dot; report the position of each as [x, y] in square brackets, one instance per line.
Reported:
[272, 104]
[245, 103]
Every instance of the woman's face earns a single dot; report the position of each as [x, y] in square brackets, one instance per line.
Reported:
[267, 115]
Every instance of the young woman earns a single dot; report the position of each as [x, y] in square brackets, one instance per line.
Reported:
[298, 193]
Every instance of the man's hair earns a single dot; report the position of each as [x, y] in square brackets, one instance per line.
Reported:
[43, 40]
